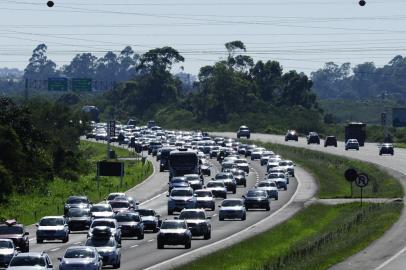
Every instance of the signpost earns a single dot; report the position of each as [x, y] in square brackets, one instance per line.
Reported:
[58, 84]
[81, 84]
[351, 175]
[362, 181]
[111, 132]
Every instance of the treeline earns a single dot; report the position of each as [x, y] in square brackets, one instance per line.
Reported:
[362, 82]
[38, 141]
[229, 93]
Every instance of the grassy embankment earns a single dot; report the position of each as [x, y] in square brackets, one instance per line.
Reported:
[316, 238]
[28, 208]
[320, 235]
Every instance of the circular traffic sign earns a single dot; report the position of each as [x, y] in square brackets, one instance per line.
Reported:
[351, 174]
[362, 180]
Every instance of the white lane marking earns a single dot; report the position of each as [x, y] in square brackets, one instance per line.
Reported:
[165, 263]
[153, 198]
[133, 246]
[391, 259]
[214, 215]
[55, 249]
[151, 240]
[31, 239]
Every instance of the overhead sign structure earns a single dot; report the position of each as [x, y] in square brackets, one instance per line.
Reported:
[81, 84]
[57, 84]
[106, 168]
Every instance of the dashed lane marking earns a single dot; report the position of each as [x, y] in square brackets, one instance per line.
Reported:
[55, 249]
[151, 240]
[133, 246]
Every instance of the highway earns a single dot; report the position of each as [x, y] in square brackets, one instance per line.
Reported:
[388, 252]
[141, 254]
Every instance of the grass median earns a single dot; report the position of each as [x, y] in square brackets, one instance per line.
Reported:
[28, 208]
[316, 238]
[329, 171]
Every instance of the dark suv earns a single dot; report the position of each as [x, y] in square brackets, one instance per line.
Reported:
[386, 148]
[10, 229]
[313, 138]
[243, 131]
[330, 141]
[291, 135]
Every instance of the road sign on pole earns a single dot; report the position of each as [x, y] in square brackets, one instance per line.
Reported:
[362, 181]
[81, 84]
[57, 84]
[112, 128]
[350, 175]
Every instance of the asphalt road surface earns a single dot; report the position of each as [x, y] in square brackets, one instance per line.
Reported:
[388, 252]
[141, 254]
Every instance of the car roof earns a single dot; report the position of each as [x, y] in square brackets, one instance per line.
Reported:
[105, 219]
[193, 210]
[182, 188]
[232, 199]
[79, 247]
[46, 217]
[31, 254]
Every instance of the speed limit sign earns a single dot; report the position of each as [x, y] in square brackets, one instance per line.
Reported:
[362, 180]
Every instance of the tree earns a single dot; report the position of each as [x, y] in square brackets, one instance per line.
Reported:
[159, 59]
[127, 64]
[39, 67]
[82, 66]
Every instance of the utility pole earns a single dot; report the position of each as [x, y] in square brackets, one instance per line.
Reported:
[384, 118]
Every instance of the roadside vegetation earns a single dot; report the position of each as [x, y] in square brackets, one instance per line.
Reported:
[329, 171]
[49, 200]
[316, 238]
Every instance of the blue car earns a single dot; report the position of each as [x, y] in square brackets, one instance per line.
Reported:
[81, 257]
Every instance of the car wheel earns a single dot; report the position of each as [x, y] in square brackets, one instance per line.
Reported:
[380, 154]
[117, 265]
[207, 235]
[244, 217]
[234, 191]
[285, 188]
[170, 211]
[160, 245]
[276, 198]
[155, 230]
[245, 184]
[268, 208]
[39, 241]
[188, 245]
[161, 170]
[213, 208]
[66, 239]
[221, 218]
[141, 236]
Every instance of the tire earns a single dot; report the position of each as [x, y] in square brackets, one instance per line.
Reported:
[207, 236]
[161, 170]
[245, 184]
[155, 230]
[244, 217]
[296, 139]
[141, 236]
[234, 191]
[39, 241]
[170, 211]
[380, 154]
[285, 188]
[188, 245]
[221, 218]
[66, 240]
[268, 208]
[225, 196]
[276, 198]
[159, 245]
[248, 137]
[213, 208]
[238, 136]
[117, 265]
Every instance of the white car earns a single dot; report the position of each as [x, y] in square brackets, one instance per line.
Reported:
[288, 165]
[242, 164]
[272, 163]
[218, 188]
[257, 153]
[7, 251]
[352, 144]
[280, 170]
[270, 187]
[101, 210]
[266, 155]
[279, 179]
[232, 209]
[205, 199]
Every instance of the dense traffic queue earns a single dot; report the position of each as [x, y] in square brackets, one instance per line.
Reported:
[195, 188]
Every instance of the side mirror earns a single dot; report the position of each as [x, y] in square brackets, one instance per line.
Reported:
[208, 217]
[59, 259]
[167, 195]
[26, 233]
[137, 202]
[158, 216]
[37, 225]
[219, 206]
[118, 245]
[243, 196]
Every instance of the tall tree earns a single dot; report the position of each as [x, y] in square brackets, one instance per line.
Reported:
[39, 66]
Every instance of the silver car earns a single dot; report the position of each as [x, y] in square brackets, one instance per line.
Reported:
[108, 248]
[31, 261]
[198, 223]
[270, 187]
[218, 188]
[101, 210]
[81, 258]
[205, 199]
[232, 209]
[111, 223]
[181, 198]
[279, 179]
[52, 228]
[7, 251]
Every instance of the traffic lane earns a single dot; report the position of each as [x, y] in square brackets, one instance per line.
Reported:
[156, 184]
[147, 254]
[368, 153]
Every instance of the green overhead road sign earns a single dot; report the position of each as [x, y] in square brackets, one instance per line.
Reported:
[57, 84]
[82, 84]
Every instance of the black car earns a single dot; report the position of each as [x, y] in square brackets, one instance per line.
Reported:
[243, 131]
[12, 230]
[239, 176]
[257, 199]
[291, 135]
[313, 138]
[76, 202]
[386, 148]
[131, 224]
[78, 219]
[154, 146]
[150, 219]
[330, 141]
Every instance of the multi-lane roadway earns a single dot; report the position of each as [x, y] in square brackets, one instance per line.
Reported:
[388, 252]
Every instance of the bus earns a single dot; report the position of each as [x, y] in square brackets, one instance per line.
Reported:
[183, 161]
[356, 130]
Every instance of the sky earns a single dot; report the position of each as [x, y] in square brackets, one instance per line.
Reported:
[301, 34]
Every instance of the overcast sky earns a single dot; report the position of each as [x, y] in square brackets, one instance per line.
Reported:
[301, 34]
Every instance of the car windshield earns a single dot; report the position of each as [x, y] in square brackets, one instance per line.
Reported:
[100, 242]
[283, 163]
[264, 184]
[101, 208]
[182, 192]
[79, 253]
[276, 175]
[192, 177]
[51, 222]
[120, 204]
[76, 200]
[192, 215]
[215, 184]
[232, 203]
[203, 194]
[127, 218]
[177, 181]
[78, 212]
[145, 212]
[256, 193]
[27, 261]
[112, 196]
[221, 176]
[273, 160]
[6, 244]
[107, 223]
[239, 161]
[11, 230]
[173, 225]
